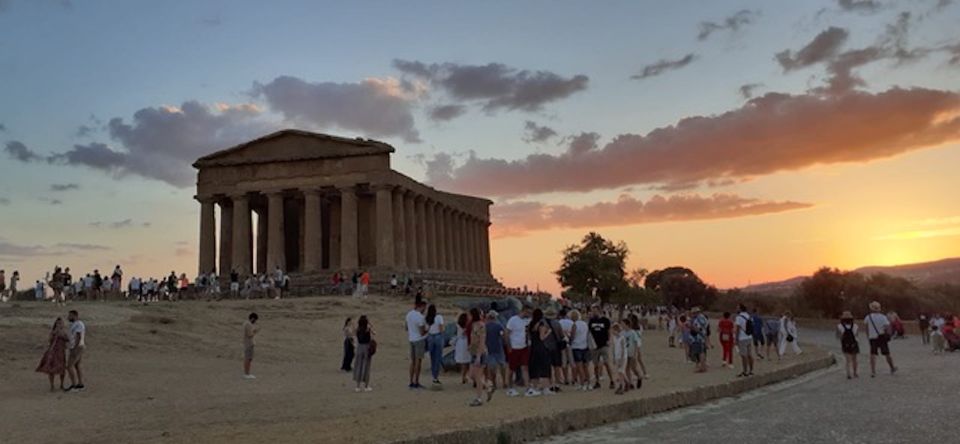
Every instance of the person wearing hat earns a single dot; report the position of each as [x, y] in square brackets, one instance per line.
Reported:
[878, 332]
[847, 334]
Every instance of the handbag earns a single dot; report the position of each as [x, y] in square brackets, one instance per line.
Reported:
[789, 338]
[372, 348]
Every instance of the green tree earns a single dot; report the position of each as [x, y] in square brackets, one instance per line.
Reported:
[681, 287]
[596, 264]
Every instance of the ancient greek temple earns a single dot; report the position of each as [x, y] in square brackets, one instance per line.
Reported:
[313, 203]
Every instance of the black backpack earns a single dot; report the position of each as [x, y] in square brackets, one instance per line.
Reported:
[848, 342]
[749, 328]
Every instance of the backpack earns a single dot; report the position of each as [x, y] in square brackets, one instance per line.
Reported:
[848, 342]
[748, 329]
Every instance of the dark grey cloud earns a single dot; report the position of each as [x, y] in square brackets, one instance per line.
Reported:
[746, 91]
[732, 23]
[442, 113]
[18, 151]
[126, 223]
[51, 201]
[3, 128]
[663, 65]
[12, 250]
[439, 168]
[824, 46]
[86, 247]
[4, 201]
[495, 85]
[866, 6]
[95, 155]
[84, 131]
[64, 187]
[534, 133]
[373, 107]
[581, 143]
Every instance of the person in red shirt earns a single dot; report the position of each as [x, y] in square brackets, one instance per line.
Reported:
[725, 326]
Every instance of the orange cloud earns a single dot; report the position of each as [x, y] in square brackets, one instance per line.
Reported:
[518, 218]
[771, 133]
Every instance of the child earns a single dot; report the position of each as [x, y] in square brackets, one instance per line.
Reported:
[683, 336]
[726, 339]
[630, 339]
[619, 357]
[937, 339]
[847, 333]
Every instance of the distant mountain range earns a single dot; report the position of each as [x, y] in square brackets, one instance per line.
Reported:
[944, 271]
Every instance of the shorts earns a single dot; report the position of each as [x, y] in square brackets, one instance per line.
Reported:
[758, 340]
[771, 338]
[697, 349]
[880, 344]
[478, 360]
[601, 354]
[248, 352]
[234, 287]
[418, 349]
[74, 356]
[581, 356]
[495, 360]
[556, 358]
[567, 355]
[518, 357]
[744, 345]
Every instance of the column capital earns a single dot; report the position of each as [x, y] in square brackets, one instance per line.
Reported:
[377, 186]
[238, 195]
[311, 191]
[343, 188]
[272, 192]
[418, 198]
[205, 198]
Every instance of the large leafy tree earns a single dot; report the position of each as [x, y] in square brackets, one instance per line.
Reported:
[596, 264]
[681, 287]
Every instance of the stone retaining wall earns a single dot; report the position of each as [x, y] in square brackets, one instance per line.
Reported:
[527, 429]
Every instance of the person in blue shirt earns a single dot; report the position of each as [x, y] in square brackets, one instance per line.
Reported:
[771, 328]
[496, 354]
[758, 339]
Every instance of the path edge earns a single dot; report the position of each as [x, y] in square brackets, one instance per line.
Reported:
[539, 427]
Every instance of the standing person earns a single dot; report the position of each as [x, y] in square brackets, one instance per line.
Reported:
[672, 331]
[725, 327]
[758, 337]
[14, 280]
[117, 277]
[477, 344]
[337, 283]
[434, 322]
[250, 330]
[393, 285]
[923, 322]
[366, 347]
[878, 333]
[771, 328]
[518, 354]
[417, 335]
[3, 285]
[54, 361]
[355, 281]
[538, 330]
[461, 352]
[937, 338]
[744, 332]
[600, 331]
[234, 284]
[75, 346]
[348, 349]
[631, 339]
[847, 333]
[364, 283]
[38, 291]
[638, 329]
[619, 358]
[788, 334]
[555, 343]
[566, 327]
[698, 340]
[580, 348]
[97, 285]
[496, 352]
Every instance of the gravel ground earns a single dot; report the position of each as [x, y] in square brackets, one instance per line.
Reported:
[915, 405]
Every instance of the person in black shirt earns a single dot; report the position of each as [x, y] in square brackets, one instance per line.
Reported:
[234, 283]
[600, 331]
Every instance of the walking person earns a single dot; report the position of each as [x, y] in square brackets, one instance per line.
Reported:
[3, 285]
[518, 354]
[496, 350]
[600, 332]
[878, 334]
[580, 348]
[725, 327]
[75, 346]
[435, 342]
[250, 330]
[566, 326]
[771, 329]
[937, 338]
[788, 334]
[14, 280]
[847, 332]
[758, 336]
[555, 343]
[923, 323]
[348, 348]
[698, 345]
[461, 353]
[54, 361]
[477, 344]
[619, 358]
[417, 335]
[366, 348]
[744, 333]
[538, 330]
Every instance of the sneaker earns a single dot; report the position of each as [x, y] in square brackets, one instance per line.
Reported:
[411, 386]
[476, 402]
[368, 389]
[249, 377]
[532, 393]
[612, 385]
[358, 389]
[596, 386]
[437, 382]
[67, 389]
[512, 392]
[549, 392]
[490, 391]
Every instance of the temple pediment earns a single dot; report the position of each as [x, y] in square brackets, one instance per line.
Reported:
[293, 145]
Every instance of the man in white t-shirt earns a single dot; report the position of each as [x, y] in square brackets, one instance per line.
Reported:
[417, 334]
[745, 340]
[518, 354]
[75, 347]
[878, 332]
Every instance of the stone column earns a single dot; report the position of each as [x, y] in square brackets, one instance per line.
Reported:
[276, 243]
[485, 243]
[385, 253]
[261, 240]
[441, 226]
[451, 240]
[431, 207]
[312, 232]
[334, 218]
[421, 225]
[241, 234]
[400, 230]
[477, 248]
[349, 245]
[226, 237]
[468, 257]
[208, 235]
[411, 231]
[461, 234]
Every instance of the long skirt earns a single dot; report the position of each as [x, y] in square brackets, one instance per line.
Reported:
[347, 354]
[361, 368]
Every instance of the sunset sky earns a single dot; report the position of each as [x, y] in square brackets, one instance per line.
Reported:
[748, 140]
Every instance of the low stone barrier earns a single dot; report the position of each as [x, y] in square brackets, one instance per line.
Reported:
[536, 427]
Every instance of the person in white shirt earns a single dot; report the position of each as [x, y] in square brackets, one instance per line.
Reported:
[745, 340]
[788, 334]
[580, 348]
[434, 323]
[75, 348]
[417, 335]
[847, 333]
[878, 332]
[518, 354]
[566, 355]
